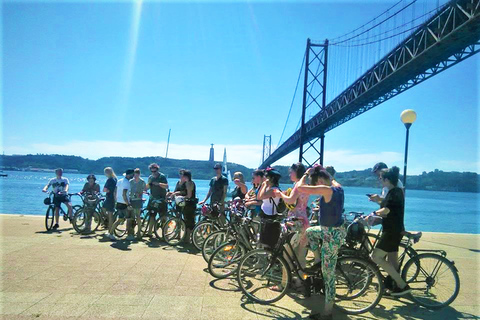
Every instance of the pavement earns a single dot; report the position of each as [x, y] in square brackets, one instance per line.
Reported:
[63, 275]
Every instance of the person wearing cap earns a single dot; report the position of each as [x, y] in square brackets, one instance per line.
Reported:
[378, 170]
[123, 201]
[218, 188]
[158, 185]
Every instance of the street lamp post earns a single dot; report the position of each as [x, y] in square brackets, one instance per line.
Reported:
[408, 117]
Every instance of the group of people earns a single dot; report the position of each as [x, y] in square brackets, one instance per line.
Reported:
[327, 236]
[266, 200]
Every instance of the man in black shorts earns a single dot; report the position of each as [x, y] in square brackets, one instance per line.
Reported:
[60, 186]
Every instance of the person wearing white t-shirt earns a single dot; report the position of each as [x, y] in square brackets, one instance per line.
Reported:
[377, 170]
[60, 186]
[123, 201]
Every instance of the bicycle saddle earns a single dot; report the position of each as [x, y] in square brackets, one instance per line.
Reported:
[414, 236]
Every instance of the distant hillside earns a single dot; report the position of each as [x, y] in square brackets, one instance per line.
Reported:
[200, 169]
[435, 181]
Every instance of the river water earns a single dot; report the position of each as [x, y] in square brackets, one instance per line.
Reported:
[453, 212]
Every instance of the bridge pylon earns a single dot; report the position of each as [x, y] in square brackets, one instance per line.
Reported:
[267, 147]
[314, 96]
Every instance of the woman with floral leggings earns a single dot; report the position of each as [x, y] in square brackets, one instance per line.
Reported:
[330, 231]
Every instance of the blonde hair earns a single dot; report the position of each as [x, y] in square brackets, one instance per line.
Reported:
[239, 175]
[109, 172]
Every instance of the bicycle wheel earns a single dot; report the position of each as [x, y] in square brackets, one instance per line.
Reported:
[79, 220]
[158, 227]
[258, 276]
[49, 217]
[403, 251]
[359, 285]
[212, 242]
[75, 208]
[144, 216]
[96, 221]
[174, 231]
[225, 260]
[121, 229]
[201, 232]
[437, 283]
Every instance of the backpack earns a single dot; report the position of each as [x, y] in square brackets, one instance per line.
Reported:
[281, 207]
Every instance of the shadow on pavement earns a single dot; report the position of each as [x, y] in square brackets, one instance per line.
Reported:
[271, 311]
[228, 284]
[54, 231]
[187, 248]
[412, 311]
[123, 245]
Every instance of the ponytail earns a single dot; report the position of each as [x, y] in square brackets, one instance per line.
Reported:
[392, 175]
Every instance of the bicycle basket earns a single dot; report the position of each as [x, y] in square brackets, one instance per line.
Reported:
[90, 200]
[210, 211]
[47, 201]
[355, 232]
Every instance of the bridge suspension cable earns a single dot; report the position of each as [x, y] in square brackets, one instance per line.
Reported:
[375, 25]
[388, 31]
[293, 99]
[365, 24]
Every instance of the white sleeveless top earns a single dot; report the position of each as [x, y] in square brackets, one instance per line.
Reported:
[267, 205]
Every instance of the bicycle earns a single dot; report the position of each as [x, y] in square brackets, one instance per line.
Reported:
[121, 228]
[219, 237]
[213, 220]
[49, 215]
[422, 270]
[226, 257]
[359, 285]
[174, 229]
[89, 213]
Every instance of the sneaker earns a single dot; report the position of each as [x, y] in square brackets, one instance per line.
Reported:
[112, 237]
[401, 292]
[55, 226]
[130, 238]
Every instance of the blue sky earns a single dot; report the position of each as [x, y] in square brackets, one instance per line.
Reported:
[110, 78]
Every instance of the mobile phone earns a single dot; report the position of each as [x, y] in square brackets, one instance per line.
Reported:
[369, 194]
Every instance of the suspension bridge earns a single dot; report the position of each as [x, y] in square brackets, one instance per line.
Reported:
[408, 43]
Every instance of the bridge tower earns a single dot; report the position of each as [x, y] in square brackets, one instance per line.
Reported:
[314, 96]
[211, 158]
[267, 147]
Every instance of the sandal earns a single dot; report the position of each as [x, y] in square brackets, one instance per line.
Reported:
[276, 288]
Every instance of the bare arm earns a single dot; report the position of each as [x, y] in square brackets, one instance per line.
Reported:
[125, 197]
[208, 196]
[264, 193]
[224, 193]
[291, 198]
[189, 185]
[163, 185]
[383, 212]
[324, 191]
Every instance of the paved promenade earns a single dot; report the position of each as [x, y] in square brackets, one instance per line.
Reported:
[63, 275]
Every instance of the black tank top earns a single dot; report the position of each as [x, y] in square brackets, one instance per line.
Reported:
[182, 188]
[237, 192]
